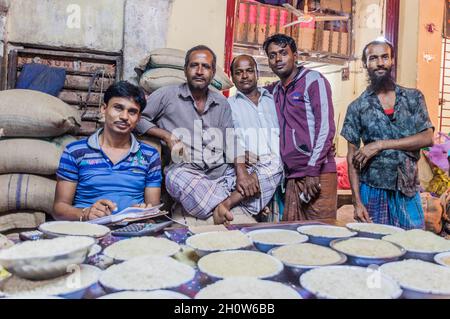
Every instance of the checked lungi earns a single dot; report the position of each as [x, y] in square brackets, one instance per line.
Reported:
[199, 195]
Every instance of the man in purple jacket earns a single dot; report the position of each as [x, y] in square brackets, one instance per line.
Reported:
[306, 116]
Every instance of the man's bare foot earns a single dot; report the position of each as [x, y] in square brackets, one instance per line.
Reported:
[222, 215]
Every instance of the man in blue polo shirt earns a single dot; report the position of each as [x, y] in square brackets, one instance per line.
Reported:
[110, 170]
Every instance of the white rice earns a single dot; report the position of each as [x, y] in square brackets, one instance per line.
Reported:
[306, 255]
[247, 288]
[46, 247]
[419, 275]
[156, 294]
[277, 237]
[344, 282]
[418, 240]
[240, 263]
[365, 247]
[446, 260]
[147, 273]
[87, 276]
[221, 240]
[74, 229]
[5, 242]
[141, 246]
[379, 229]
[326, 231]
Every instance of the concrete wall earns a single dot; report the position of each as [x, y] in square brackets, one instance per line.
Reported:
[408, 43]
[89, 24]
[198, 22]
[428, 73]
[146, 27]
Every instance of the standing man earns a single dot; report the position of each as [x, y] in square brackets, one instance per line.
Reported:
[111, 170]
[306, 118]
[256, 126]
[393, 124]
[194, 122]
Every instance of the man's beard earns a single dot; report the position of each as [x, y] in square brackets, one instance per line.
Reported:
[381, 83]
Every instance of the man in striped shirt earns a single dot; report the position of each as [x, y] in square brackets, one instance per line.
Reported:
[110, 170]
[306, 118]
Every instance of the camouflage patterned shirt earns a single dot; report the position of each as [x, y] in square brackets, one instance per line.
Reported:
[366, 121]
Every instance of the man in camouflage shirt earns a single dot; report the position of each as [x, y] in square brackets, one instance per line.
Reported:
[393, 124]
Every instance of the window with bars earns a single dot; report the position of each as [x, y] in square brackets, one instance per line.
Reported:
[444, 101]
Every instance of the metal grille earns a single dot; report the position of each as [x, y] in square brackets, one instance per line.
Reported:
[444, 102]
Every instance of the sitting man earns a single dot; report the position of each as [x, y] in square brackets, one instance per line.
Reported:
[110, 170]
[194, 121]
[256, 124]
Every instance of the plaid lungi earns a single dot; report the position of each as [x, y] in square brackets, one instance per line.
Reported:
[392, 207]
[199, 195]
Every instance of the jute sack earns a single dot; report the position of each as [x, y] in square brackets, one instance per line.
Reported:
[433, 212]
[28, 113]
[26, 192]
[21, 220]
[157, 78]
[174, 59]
[32, 156]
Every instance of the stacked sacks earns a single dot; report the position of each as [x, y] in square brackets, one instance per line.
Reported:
[164, 67]
[32, 127]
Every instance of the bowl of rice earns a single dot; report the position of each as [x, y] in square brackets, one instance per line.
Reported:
[247, 288]
[349, 282]
[267, 239]
[324, 234]
[155, 294]
[145, 274]
[298, 258]
[420, 244]
[371, 230]
[443, 259]
[420, 279]
[72, 285]
[141, 246]
[209, 242]
[45, 258]
[66, 228]
[368, 251]
[240, 263]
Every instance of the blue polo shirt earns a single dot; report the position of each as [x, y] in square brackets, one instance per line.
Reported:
[83, 162]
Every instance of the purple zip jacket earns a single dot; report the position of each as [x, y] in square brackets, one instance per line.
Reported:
[306, 117]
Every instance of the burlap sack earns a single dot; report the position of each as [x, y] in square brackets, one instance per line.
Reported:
[157, 78]
[26, 192]
[21, 220]
[27, 113]
[433, 211]
[174, 59]
[32, 156]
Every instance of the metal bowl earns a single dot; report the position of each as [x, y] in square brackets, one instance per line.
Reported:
[417, 254]
[46, 228]
[204, 252]
[41, 268]
[416, 293]
[265, 247]
[324, 295]
[353, 227]
[439, 259]
[109, 288]
[296, 270]
[320, 240]
[272, 276]
[154, 294]
[79, 286]
[365, 261]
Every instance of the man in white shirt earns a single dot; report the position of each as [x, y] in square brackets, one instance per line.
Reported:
[259, 167]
